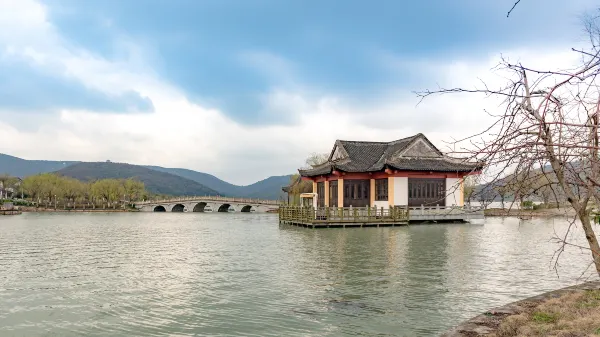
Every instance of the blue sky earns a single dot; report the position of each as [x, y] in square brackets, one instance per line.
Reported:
[254, 73]
[227, 54]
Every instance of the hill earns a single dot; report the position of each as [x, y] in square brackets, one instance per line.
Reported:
[269, 188]
[18, 167]
[155, 181]
[205, 179]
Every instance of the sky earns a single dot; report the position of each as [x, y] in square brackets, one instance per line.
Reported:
[246, 89]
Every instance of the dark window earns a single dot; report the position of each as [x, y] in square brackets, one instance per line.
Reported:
[333, 193]
[427, 192]
[356, 193]
[381, 189]
[321, 194]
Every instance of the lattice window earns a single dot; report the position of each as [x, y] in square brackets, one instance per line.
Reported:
[381, 189]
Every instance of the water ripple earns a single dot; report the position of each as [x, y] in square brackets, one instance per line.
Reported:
[243, 275]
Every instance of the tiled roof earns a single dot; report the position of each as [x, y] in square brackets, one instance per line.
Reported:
[428, 164]
[376, 156]
[288, 188]
[319, 170]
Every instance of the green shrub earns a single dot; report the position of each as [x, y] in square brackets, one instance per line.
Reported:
[527, 204]
[543, 317]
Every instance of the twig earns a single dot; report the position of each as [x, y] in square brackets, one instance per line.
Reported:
[513, 7]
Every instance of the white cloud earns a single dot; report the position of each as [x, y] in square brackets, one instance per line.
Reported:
[182, 134]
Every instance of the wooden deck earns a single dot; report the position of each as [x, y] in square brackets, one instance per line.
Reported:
[341, 217]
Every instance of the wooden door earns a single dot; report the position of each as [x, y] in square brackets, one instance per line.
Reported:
[426, 191]
[333, 193]
[321, 194]
[356, 193]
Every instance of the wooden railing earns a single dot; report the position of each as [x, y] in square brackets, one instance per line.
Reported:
[343, 214]
[211, 198]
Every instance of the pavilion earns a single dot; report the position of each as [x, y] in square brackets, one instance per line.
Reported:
[408, 172]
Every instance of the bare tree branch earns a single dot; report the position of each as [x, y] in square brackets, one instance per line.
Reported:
[544, 142]
[512, 8]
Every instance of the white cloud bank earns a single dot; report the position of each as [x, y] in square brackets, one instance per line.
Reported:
[182, 134]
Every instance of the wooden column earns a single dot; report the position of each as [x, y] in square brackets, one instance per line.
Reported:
[326, 184]
[462, 192]
[314, 187]
[340, 192]
[391, 191]
[372, 194]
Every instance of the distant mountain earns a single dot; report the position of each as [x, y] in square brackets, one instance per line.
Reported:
[269, 188]
[18, 167]
[205, 179]
[155, 181]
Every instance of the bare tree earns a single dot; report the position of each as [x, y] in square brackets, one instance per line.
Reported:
[544, 188]
[316, 159]
[549, 123]
[469, 188]
[513, 8]
[502, 189]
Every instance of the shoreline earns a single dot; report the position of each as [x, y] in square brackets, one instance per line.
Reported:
[489, 321]
[488, 213]
[58, 210]
[540, 213]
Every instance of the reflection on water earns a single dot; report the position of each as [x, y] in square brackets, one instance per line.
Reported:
[243, 275]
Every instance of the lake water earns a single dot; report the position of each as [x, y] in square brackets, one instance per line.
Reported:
[148, 274]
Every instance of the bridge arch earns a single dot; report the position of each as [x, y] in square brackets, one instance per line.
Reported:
[199, 207]
[246, 209]
[178, 208]
[224, 208]
[159, 208]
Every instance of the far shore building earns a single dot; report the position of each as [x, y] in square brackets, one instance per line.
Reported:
[406, 172]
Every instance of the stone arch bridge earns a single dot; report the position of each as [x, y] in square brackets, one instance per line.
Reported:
[209, 204]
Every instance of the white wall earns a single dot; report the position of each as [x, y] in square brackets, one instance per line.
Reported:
[453, 192]
[400, 191]
[385, 204]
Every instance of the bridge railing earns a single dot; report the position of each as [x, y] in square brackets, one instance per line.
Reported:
[211, 198]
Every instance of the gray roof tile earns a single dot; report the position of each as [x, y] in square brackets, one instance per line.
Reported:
[375, 156]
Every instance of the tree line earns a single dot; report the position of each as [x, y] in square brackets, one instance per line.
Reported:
[52, 190]
[520, 186]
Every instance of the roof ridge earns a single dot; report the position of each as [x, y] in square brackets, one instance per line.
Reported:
[385, 155]
[362, 141]
[380, 142]
[405, 138]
